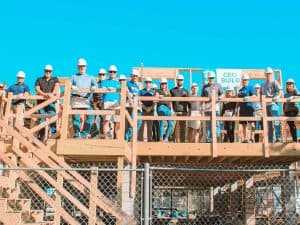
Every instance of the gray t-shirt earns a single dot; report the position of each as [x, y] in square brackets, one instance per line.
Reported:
[207, 88]
[270, 89]
[194, 106]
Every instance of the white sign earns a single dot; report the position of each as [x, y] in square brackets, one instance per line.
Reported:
[229, 76]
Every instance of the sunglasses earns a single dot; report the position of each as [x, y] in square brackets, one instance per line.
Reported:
[289, 83]
[48, 71]
[211, 78]
[112, 71]
[101, 74]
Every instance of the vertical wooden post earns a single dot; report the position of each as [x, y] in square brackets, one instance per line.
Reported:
[214, 124]
[65, 112]
[122, 110]
[265, 127]
[119, 184]
[58, 200]
[7, 111]
[93, 196]
[134, 147]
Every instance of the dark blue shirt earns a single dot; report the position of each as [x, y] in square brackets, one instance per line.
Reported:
[145, 92]
[17, 89]
[246, 91]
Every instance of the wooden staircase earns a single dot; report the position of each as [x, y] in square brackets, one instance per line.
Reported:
[27, 151]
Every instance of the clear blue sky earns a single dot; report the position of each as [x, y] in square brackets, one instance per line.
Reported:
[206, 34]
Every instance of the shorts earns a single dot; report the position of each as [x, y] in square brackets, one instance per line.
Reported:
[111, 106]
[246, 111]
[195, 124]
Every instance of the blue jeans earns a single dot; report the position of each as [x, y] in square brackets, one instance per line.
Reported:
[208, 126]
[163, 110]
[49, 109]
[86, 127]
[129, 130]
[272, 110]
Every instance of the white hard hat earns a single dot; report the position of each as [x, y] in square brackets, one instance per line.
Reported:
[122, 77]
[135, 72]
[21, 74]
[256, 86]
[148, 79]
[48, 67]
[229, 88]
[194, 85]
[210, 74]
[245, 77]
[269, 70]
[180, 77]
[102, 71]
[113, 68]
[163, 80]
[154, 86]
[1, 85]
[290, 80]
[81, 62]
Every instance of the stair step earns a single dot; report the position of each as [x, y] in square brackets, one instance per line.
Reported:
[18, 205]
[32, 216]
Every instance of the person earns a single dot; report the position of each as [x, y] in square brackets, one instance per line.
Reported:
[19, 91]
[164, 108]
[206, 92]
[257, 107]
[47, 86]
[111, 101]
[147, 109]
[272, 89]
[246, 108]
[194, 126]
[229, 110]
[97, 105]
[180, 109]
[133, 89]
[82, 100]
[291, 108]
[155, 127]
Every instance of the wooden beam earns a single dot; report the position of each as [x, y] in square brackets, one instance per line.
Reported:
[93, 195]
[265, 126]
[214, 124]
[65, 112]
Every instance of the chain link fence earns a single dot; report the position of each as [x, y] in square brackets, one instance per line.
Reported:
[175, 194]
[225, 195]
[75, 201]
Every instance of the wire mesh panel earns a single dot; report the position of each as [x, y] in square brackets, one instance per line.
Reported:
[225, 195]
[107, 197]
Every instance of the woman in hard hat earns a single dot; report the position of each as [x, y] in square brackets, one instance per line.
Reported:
[228, 110]
[291, 108]
[164, 108]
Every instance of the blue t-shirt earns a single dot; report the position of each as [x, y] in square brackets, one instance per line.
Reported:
[18, 89]
[83, 81]
[114, 96]
[246, 91]
[133, 88]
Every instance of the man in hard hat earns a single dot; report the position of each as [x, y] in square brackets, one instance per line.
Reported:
[147, 109]
[290, 108]
[229, 110]
[180, 109]
[272, 89]
[155, 127]
[133, 90]
[194, 126]
[206, 92]
[97, 105]
[111, 101]
[47, 86]
[246, 109]
[19, 91]
[81, 100]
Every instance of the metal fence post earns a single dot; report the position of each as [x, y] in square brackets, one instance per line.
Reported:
[146, 193]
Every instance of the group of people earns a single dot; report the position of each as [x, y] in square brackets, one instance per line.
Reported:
[108, 126]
